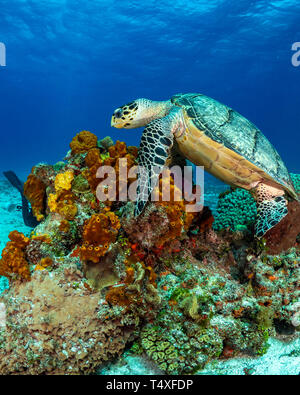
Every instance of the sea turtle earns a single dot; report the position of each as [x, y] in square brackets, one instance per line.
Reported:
[212, 135]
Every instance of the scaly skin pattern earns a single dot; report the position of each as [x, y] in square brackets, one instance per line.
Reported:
[155, 150]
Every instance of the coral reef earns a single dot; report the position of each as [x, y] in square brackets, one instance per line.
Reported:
[178, 289]
[95, 159]
[83, 142]
[57, 326]
[236, 211]
[100, 231]
[13, 261]
[169, 219]
[284, 235]
[63, 200]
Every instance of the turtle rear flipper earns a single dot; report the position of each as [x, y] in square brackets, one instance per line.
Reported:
[269, 214]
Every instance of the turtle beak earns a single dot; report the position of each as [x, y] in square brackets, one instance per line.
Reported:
[116, 124]
[116, 119]
[113, 122]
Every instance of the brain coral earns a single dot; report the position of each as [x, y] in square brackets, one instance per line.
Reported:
[236, 210]
[83, 142]
[160, 349]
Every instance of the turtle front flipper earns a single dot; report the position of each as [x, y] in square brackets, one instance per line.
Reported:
[271, 208]
[154, 153]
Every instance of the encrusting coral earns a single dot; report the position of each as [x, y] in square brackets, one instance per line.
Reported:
[175, 287]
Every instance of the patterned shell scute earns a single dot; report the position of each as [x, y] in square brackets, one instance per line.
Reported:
[227, 127]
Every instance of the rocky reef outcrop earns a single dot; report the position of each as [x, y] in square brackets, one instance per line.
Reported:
[181, 289]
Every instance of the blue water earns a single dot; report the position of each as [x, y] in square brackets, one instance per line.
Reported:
[70, 63]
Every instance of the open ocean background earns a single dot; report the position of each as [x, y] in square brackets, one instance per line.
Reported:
[70, 63]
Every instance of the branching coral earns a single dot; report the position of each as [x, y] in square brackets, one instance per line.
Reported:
[83, 142]
[13, 259]
[100, 231]
[35, 191]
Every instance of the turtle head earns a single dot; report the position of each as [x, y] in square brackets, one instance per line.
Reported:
[139, 113]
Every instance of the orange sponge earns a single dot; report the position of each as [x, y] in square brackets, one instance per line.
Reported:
[100, 231]
[179, 219]
[13, 257]
[94, 160]
[35, 190]
[83, 142]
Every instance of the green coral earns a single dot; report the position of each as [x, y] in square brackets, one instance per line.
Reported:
[160, 349]
[236, 210]
[265, 317]
[80, 184]
[105, 143]
[179, 293]
[59, 166]
[265, 345]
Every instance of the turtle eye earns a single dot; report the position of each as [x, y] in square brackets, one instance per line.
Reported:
[118, 113]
